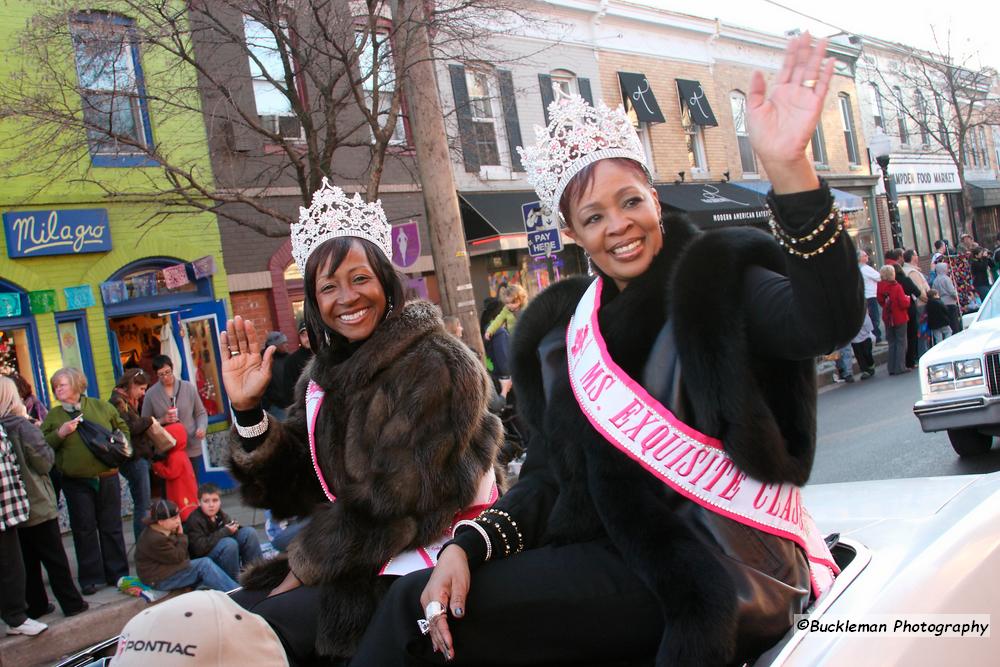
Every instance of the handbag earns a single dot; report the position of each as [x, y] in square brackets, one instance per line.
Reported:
[111, 448]
[160, 438]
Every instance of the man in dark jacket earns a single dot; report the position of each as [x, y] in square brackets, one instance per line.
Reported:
[213, 534]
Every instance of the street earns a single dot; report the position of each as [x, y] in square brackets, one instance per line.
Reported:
[867, 430]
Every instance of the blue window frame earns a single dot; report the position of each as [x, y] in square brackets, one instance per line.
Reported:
[112, 90]
[74, 346]
[24, 328]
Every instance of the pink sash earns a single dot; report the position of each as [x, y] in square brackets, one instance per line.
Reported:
[691, 463]
[421, 557]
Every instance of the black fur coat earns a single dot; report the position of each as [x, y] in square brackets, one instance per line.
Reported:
[745, 322]
[403, 439]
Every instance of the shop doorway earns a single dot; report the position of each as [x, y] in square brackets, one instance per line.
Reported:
[19, 349]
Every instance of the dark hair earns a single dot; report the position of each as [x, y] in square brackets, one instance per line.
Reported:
[894, 254]
[132, 377]
[161, 360]
[584, 178]
[207, 487]
[491, 308]
[940, 243]
[23, 387]
[908, 255]
[334, 250]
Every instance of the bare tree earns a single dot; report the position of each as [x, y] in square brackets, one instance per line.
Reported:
[325, 70]
[948, 99]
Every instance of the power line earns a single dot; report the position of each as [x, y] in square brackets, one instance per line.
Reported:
[804, 15]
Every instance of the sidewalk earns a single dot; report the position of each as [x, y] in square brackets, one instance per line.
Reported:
[827, 370]
[109, 609]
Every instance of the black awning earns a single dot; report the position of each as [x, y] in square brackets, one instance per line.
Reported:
[638, 97]
[486, 214]
[715, 204]
[985, 193]
[693, 97]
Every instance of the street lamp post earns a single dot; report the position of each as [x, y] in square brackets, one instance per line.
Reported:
[881, 146]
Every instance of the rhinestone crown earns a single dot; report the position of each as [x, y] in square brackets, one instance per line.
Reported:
[333, 214]
[578, 134]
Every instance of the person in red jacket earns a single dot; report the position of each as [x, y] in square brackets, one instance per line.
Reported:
[176, 470]
[895, 313]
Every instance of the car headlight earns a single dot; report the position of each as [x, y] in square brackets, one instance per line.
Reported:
[941, 373]
[967, 368]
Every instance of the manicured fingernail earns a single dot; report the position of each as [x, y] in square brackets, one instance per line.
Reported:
[458, 611]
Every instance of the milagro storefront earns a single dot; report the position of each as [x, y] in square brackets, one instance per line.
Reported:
[90, 288]
[927, 191]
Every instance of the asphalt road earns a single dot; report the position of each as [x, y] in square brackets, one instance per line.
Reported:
[867, 430]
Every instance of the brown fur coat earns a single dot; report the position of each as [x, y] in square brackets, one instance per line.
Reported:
[403, 438]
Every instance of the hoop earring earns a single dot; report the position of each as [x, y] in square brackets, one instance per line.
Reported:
[388, 310]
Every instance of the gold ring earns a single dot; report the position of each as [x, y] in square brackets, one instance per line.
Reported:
[809, 83]
[234, 353]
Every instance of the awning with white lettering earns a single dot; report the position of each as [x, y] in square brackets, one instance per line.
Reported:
[693, 97]
[638, 97]
[715, 204]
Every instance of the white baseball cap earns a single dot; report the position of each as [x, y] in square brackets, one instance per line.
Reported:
[201, 628]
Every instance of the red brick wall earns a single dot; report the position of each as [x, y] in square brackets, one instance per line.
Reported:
[255, 306]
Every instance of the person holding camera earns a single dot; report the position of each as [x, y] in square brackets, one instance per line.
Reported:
[214, 534]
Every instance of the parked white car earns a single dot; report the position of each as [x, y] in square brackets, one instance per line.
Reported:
[960, 383]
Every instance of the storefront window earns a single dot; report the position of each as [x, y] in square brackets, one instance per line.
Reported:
[201, 336]
[944, 215]
[919, 225]
[905, 221]
[69, 345]
[15, 356]
[933, 226]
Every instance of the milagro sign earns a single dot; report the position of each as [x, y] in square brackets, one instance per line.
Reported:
[919, 177]
[56, 232]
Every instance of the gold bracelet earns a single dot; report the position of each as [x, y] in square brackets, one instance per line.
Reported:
[778, 231]
[788, 242]
[513, 524]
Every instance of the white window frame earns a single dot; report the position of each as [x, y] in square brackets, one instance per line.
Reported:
[695, 138]
[738, 106]
[878, 112]
[822, 160]
[996, 143]
[850, 131]
[386, 84]
[126, 87]
[564, 84]
[901, 125]
[491, 98]
[270, 121]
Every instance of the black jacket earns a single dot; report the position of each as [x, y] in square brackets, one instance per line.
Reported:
[723, 329]
[937, 314]
[204, 532]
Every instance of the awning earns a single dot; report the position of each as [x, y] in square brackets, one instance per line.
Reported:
[715, 204]
[693, 96]
[985, 193]
[845, 201]
[489, 214]
[638, 97]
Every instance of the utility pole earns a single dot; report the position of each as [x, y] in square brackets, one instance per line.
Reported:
[444, 219]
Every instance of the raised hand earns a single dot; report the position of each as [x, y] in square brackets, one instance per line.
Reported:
[245, 371]
[782, 121]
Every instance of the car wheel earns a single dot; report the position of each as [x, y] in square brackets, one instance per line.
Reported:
[969, 441]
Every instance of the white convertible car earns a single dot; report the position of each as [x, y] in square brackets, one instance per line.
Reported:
[960, 383]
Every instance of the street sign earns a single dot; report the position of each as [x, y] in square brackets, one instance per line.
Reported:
[543, 232]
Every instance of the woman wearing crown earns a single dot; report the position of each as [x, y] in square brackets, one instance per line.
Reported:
[671, 404]
[387, 445]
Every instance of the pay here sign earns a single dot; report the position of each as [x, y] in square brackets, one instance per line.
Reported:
[543, 232]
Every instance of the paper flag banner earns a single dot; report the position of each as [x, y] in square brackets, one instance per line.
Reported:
[113, 292]
[10, 304]
[203, 267]
[175, 276]
[81, 296]
[42, 301]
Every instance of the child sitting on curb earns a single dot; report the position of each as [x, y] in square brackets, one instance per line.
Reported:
[161, 555]
[213, 534]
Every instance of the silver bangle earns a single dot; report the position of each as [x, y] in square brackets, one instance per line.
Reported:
[480, 530]
[254, 431]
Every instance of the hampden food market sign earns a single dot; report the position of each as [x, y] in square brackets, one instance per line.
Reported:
[919, 177]
[56, 232]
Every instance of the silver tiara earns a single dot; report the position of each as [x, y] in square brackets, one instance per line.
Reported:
[578, 134]
[333, 214]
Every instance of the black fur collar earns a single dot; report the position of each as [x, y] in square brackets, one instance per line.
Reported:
[391, 339]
